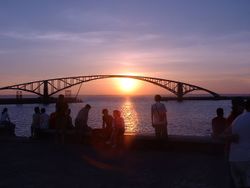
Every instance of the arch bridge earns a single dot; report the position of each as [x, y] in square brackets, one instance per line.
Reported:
[47, 88]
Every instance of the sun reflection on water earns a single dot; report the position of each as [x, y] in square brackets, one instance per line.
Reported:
[130, 117]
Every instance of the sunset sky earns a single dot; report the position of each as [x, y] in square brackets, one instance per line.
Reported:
[206, 43]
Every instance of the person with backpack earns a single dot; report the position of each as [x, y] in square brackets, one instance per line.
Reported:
[159, 118]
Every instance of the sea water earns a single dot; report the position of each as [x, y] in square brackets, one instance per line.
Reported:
[184, 118]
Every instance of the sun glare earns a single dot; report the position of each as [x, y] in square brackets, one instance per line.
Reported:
[127, 85]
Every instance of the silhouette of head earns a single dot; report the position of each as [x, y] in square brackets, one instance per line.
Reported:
[116, 113]
[157, 98]
[43, 110]
[87, 106]
[105, 111]
[220, 112]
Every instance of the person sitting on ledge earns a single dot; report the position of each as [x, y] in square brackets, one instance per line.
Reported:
[44, 119]
[6, 123]
[35, 126]
[219, 123]
[81, 122]
[107, 120]
[116, 138]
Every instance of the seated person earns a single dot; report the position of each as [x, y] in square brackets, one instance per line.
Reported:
[81, 123]
[107, 121]
[6, 123]
[35, 126]
[116, 138]
[219, 123]
[44, 119]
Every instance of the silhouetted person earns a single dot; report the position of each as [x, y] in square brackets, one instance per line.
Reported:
[44, 119]
[107, 121]
[61, 118]
[35, 126]
[219, 123]
[159, 118]
[5, 118]
[81, 122]
[239, 156]
[119, 128]
[6, 123]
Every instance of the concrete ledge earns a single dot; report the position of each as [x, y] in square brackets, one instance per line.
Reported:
[176, 142]
[137, 142]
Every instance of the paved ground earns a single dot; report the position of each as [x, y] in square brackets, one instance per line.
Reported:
[43, 164]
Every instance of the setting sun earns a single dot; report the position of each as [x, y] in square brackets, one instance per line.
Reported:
[127, 85]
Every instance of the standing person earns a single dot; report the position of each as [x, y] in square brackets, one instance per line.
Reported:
[159, 118]
[6, 123]
[61, 118]
[44, 119]
[81, 121]
[107, 121]
[219, 123]
[35, 126]
[239, 156]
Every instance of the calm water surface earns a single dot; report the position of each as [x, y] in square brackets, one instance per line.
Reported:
[185, 118]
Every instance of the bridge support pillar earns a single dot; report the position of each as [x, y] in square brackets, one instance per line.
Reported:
[180, 91]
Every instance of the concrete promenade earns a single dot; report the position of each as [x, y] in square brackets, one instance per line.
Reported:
[42, 163]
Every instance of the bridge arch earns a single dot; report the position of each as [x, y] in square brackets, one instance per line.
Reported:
[47, 88]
